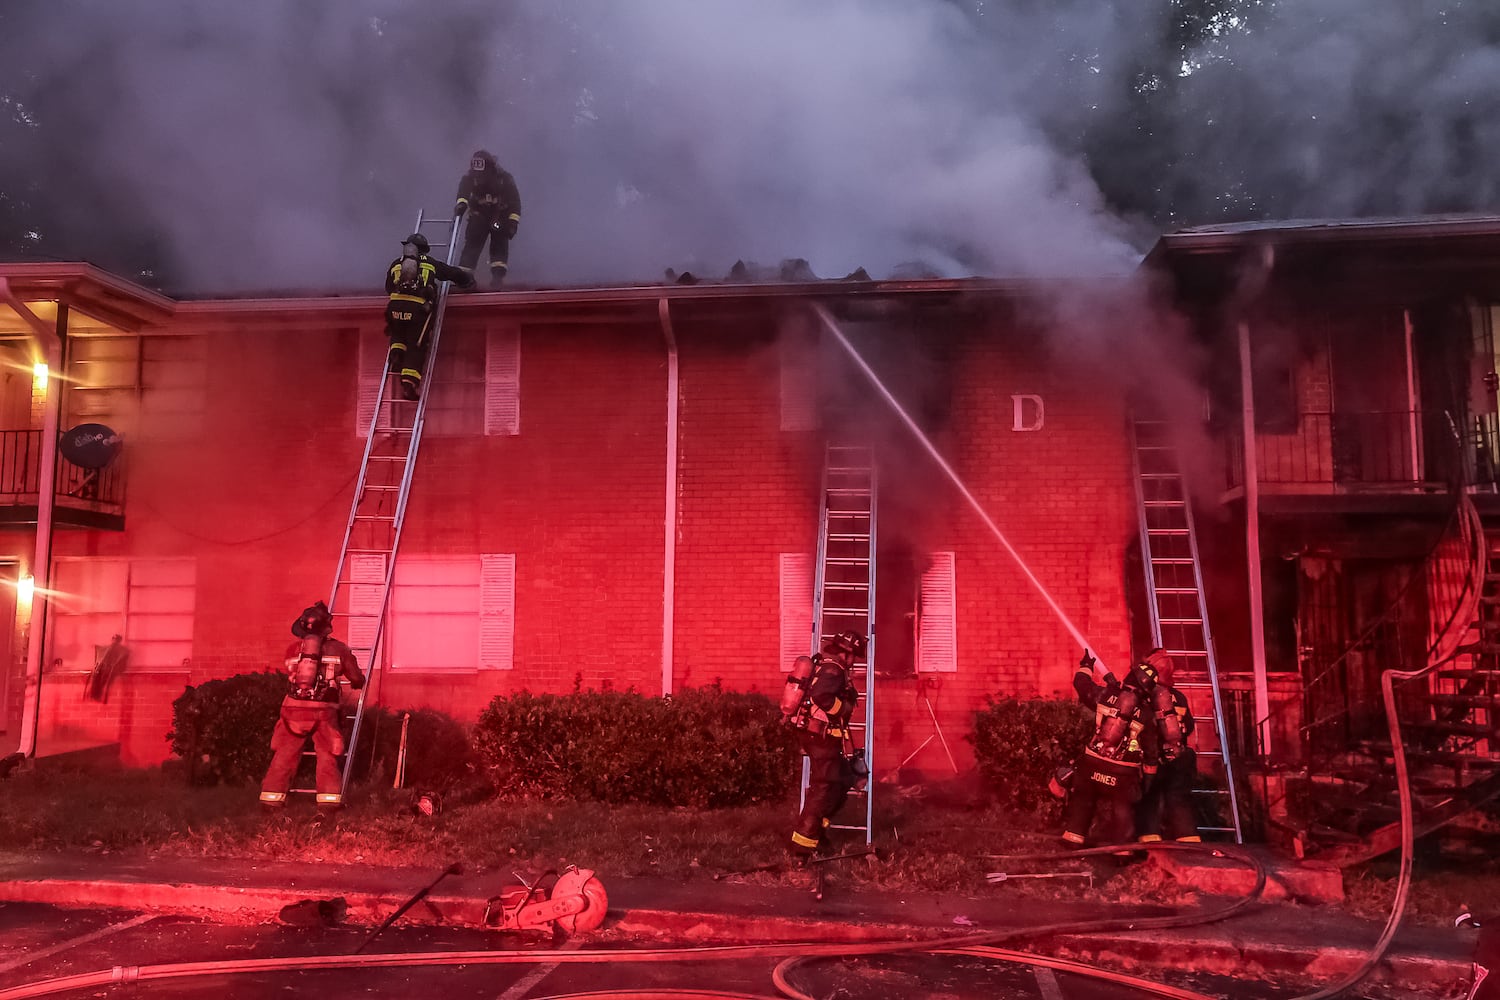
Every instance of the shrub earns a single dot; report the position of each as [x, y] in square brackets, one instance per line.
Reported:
[703, 748]
[222, 728]
[439, 756]
[1019, 743]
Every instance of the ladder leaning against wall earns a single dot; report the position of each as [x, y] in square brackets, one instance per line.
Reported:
[844, 595]
[1179, 613]
[367, 559]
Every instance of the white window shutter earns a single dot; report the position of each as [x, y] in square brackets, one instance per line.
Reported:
[497, 611]
[937, 644]
[364, 590]
[796, 607]
[799, 383]
[372, 357]
[502, 381]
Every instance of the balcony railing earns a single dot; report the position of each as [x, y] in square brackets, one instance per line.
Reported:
[98, 490]
[1388, 448]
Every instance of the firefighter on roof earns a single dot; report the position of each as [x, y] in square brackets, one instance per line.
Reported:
[1121, 755]
[313, 665]
[1166, 808]
[488, 193]
[819, 701]
[412, 283]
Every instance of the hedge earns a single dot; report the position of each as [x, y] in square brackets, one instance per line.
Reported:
[702, 748]
[1020, 743]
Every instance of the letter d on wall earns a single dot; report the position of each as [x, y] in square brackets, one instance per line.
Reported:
[1038, 412]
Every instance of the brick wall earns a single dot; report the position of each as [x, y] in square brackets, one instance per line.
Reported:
[257, 491]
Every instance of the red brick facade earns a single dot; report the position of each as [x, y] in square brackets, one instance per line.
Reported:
[254, 488]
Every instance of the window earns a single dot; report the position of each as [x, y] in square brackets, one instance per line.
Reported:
[796, 607]
[154, 386]
[476, 385]
[452, 613]
[937, 644]
[149, 602]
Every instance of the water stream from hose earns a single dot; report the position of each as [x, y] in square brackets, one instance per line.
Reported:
[926, 442]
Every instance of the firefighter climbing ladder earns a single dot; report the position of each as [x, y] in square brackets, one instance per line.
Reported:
[844, 591]
[1174, 594]
[367, 559]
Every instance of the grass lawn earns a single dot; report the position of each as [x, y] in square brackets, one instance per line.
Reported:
[924, 845]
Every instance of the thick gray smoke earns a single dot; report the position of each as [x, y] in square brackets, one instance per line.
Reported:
[289, 144]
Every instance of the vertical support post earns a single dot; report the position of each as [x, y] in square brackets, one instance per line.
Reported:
[669, 553]
[41, 564]
[1252, 546]
[1411, 400]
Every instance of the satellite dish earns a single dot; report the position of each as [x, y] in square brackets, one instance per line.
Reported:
[90, 446]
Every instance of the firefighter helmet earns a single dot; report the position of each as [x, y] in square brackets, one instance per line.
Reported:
[481, 161]
[418, 241]
[1160, 661]
[849, 644]
[314, 620]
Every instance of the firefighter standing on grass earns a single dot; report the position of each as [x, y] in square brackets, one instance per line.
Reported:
[1166, 809]
[313, 665]
[819, 701]
[1119, 758]
[412, 283]
[489, 194]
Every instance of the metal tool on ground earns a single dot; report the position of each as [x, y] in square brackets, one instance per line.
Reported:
[401, 754]
[995, 878]
[923, 684]
[575, 902]
[776, 866]
[454, 869]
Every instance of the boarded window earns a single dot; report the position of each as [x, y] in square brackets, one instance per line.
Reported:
[452, 613]
[796, 607]
[103, 378]
[149, 602]
[937, 644]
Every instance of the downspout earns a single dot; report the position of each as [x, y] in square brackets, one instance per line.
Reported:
[50, 339]
[669, 553]
[1411, 400]
[1252, 547]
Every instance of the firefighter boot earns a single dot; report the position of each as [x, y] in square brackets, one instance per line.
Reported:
[411, 389]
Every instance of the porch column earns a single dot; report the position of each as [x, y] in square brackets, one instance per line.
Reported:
[1252, 547]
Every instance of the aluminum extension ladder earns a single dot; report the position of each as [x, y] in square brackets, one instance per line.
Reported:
[844, 592]
[1174, 594]
[367, 560]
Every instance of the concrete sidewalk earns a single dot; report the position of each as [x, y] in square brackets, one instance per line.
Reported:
[1277, 940]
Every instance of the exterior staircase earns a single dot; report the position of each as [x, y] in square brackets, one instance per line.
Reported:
[1450, 716]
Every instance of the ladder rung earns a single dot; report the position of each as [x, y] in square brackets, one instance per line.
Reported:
[848, 537]
[1163, 561]
[368, 552]
[1160, 475]
[388, 489]
[1176, 590]
[858, 612]
[1181, 621]
[1166, 531]
[1165, 503]
[847, 561]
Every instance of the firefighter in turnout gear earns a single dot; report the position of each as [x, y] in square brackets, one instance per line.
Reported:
[1166, 808]
[412, 283]
[313, 665]
[822, 716]
[489, 194]
[1119, 758]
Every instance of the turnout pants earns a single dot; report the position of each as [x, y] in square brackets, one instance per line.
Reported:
[480, 229]
[1166, 808]
[830, 777]
[1107, 791]
[406, 326]
[300, 720]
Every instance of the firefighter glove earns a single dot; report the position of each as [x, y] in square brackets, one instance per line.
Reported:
[1088, 661]
[511, 225]
[458, 209]
[466, 277]
[355, 685]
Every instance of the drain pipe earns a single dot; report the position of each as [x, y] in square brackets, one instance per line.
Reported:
[50, 339]
[669, 534]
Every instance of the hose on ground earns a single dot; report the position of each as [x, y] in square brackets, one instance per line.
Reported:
[184, 970]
